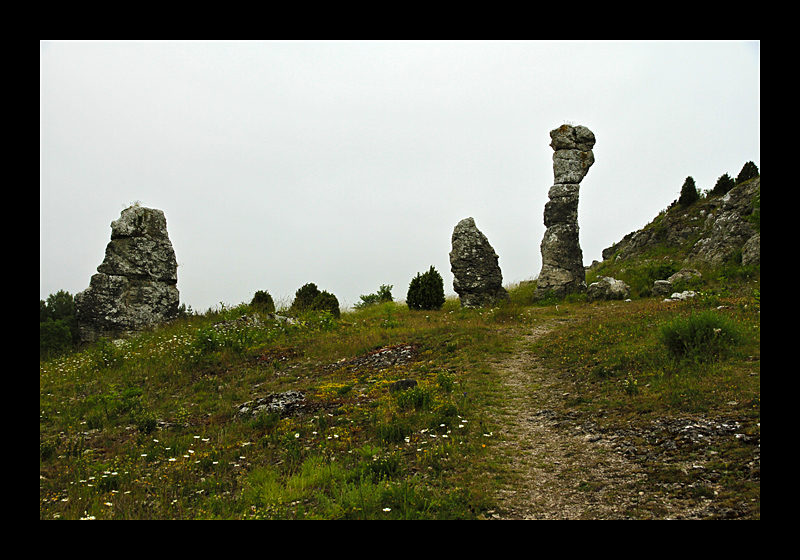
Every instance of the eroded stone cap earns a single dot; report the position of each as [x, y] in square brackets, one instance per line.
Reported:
[138, 221]
[568, 137]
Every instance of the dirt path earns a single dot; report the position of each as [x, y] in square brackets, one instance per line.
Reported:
[564, 471]
[567, 464]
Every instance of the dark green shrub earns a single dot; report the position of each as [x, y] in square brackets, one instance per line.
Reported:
[426, 291]
[60, 307]
[185, 311]
[263, 302]
[304, 297]
[749, 171]
[703, 336]
[689, 194]
[54, 338]
[723, 185]
[326, 302]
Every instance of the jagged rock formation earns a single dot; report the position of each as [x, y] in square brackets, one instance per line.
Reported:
[680, 278]
[562, 259]
[477, 278]
[712, 231]
[136, 285]
[728, 228]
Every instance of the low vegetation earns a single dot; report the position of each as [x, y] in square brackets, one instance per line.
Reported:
[149, 427]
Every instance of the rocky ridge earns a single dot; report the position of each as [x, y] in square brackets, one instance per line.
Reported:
[712, 231]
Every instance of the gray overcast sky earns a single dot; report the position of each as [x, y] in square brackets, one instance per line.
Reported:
[348, 164]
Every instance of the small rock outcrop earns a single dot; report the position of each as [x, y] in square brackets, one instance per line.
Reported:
[662, 287]
[477, 278]
[608, 288]
[380, 359]
[676, 281]
[681, 296]
[684, 275]
[136, 285]
[562, 259]
[282, 404]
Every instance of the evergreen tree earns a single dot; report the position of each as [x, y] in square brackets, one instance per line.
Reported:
[304, 297]
[262, 301]
[749, 171]
[689, 194]
[326, 302]
[723, 185]
[426, 291]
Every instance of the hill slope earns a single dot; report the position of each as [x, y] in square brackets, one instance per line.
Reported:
[562, 409]
[717, 235]
[712, 231]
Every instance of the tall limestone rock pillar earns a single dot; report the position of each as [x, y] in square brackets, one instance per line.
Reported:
[562, 259]
[136, 285]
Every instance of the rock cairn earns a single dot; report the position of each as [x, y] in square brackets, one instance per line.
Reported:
[476, 275]
[136, 285]
[563, 272]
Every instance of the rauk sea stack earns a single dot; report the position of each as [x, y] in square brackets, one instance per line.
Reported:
[476, 273]
[136, 285]
[562, 259]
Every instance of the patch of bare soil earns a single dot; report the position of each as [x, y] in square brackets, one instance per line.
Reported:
[562, 464]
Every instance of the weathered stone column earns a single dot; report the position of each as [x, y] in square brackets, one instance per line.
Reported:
[476, 275]
[562, 259]
[136, 285]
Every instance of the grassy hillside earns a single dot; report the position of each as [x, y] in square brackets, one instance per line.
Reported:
[668, 242]
[151, 428]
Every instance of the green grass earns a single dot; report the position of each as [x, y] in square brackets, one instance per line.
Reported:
[147, 428]
[671, 352]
